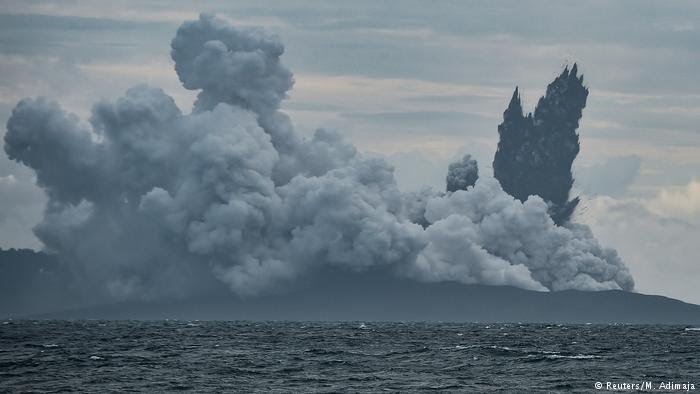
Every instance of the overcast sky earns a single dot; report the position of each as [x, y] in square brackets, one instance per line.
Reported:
[420, 83]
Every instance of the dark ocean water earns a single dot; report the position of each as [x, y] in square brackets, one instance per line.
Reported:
[99, 356]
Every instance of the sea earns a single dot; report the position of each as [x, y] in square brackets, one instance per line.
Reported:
[283, 357]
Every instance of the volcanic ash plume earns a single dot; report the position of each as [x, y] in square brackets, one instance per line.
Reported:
[148, 201]
[535, 152]
[462, 174]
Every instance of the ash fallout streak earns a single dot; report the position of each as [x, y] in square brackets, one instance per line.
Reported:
[149, 202]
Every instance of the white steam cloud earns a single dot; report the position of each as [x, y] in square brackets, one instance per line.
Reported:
[150, 202]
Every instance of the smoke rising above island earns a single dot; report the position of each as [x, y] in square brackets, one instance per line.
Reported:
[462, 174]
[535, 152]
[148, 202]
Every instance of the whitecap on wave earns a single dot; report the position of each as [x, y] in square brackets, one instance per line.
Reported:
[574, 357]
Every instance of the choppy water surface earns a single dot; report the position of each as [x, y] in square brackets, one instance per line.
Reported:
[284, 357]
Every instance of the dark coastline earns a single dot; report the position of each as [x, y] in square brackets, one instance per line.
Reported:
[372, 297]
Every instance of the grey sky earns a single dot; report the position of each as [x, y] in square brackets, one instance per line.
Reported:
[421, 83]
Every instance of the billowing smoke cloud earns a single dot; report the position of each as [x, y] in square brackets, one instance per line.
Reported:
[235, 66]
[535, 152]
[511, 236]
[149, 202]
[462, 174]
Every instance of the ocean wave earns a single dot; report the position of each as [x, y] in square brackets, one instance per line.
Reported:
[572, 357]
